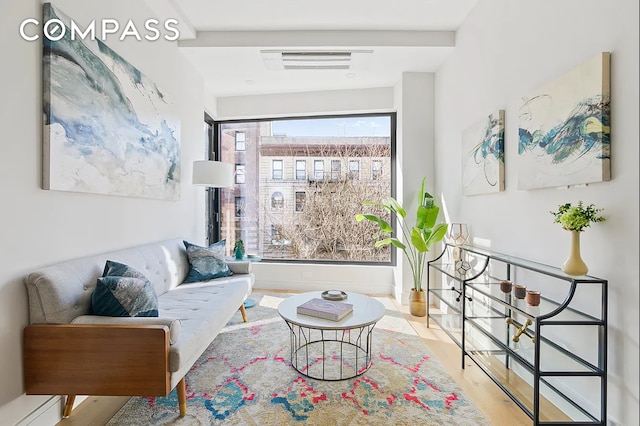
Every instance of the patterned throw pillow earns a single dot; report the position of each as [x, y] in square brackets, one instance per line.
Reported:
[206, 263]
[124, 292]
[116, 269]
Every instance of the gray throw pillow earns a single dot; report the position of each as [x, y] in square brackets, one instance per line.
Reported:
[206, 263]
[127, 295]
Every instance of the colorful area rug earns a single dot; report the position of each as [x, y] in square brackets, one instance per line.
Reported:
[245, 378]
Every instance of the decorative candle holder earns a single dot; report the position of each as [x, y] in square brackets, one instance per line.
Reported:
[520, 291]
[533, 298]
[505, 286]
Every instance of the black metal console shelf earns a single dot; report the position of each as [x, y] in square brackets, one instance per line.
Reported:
[550, 359]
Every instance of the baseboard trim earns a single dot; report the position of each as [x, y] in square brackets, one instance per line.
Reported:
[375, 289]
[48, 413]
[46, 409]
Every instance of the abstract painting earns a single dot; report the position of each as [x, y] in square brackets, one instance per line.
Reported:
[564, 129]
[483, 155]
[108, 129]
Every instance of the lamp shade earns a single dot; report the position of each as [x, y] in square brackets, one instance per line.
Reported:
[212, 173]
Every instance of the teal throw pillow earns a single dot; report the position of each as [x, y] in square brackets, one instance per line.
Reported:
[126, 295]
[206, 263]
[116, 269]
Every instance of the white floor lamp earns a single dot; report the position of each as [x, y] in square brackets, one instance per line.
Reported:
[215, 174]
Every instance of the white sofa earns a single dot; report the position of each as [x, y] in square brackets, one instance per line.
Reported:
[68, 351]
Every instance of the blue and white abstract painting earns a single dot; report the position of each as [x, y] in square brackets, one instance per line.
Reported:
[564, 129]
[108, 129]
[483, 155]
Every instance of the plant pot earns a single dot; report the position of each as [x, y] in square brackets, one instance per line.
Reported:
[574, 265]
[418, 303]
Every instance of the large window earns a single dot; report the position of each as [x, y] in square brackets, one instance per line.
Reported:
[300, 182]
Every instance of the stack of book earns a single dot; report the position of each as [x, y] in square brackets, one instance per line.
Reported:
[326, 309]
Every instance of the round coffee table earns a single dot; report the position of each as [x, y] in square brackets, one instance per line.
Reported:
[331, 350]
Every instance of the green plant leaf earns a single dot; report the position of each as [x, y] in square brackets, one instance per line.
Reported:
[437, 234]
[393, 241]
[373, 218]
[426, 217]
[418, 241]
[422, 193]
[395, 205]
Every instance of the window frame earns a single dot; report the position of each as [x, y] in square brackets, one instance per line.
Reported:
[303, 170]
[273, 169]
[216, 149]
[243, 167]
[298, 204]
[242, 142]
[317, 170]
[376, 172]
[350, 173]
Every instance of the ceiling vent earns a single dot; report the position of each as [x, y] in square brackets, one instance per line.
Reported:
[311, 60]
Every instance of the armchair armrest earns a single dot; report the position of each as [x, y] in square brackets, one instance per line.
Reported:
[75, 359]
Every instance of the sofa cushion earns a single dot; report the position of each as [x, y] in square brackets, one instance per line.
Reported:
[124, 297]
[173, 324]
[203, 308]
[206, 263]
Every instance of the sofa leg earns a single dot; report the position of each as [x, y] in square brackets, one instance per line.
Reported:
[182, 397]
[68, 406]
[243, 312]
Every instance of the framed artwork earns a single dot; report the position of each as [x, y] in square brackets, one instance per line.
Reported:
[483, 155]
[564, 129]
[108, 129]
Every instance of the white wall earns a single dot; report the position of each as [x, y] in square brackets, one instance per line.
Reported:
[305, 103]
[414, 100]
[504, 50]
[40, 227]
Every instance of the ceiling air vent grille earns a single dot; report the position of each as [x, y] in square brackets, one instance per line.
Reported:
[316, 60]
[312, 59]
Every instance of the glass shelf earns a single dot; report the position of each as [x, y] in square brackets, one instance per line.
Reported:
[450, 324]
[553, 357]
[546, 307]
[501, 365]
[556, 371]
[528, 264]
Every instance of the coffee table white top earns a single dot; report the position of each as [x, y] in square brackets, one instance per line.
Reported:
[366, 310]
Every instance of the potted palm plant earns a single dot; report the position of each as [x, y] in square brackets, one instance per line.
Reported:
[418, 239]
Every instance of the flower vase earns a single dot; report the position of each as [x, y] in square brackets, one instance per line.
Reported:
[574, 265]
[418, 303]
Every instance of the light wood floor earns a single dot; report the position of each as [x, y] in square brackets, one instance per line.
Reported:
[489, 398]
